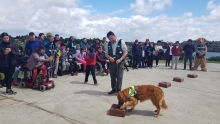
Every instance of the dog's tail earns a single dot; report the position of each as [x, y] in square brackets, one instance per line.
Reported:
[164, 105]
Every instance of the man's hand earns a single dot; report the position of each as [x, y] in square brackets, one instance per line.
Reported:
[50, 58]
[7, 50]
[111, 59]
[118, 61]
[107, 61]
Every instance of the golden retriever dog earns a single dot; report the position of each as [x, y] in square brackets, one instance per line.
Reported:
[144, 92]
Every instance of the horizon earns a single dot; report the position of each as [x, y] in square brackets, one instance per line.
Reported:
[170, 20]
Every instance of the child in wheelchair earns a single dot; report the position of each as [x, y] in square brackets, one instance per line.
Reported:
[37, 62]
[103, 60]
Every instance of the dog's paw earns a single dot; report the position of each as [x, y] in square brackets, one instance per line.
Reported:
[129, 110]
[122, 107]
[155, 116]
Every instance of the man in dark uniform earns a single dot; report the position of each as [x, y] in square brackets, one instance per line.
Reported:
[116, 51]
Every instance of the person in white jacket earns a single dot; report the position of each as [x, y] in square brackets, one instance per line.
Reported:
[158, 52]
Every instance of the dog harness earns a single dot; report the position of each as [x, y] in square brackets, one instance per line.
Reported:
[132, 92]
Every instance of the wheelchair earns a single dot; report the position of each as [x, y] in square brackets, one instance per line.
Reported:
[99, 70]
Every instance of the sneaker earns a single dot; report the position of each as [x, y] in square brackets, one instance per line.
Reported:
[96, 84]
[175, 68]
[72, 74]
[15, 82]
[112, 92]
[85, 82]
[184, 69]
[55, 76]
[10, 92]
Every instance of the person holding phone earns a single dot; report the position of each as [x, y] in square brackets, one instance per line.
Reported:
[8, 51]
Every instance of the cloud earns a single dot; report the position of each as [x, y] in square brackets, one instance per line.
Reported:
[118, 11]
[88, 6]
[148, 6]
[188, 14]
[71, 19]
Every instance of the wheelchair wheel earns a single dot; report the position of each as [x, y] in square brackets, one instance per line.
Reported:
[98, 68]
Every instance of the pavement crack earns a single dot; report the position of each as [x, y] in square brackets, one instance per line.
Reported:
[73, 121]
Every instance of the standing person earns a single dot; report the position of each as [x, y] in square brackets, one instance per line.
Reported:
[80, 57]
[188, 49]
[104, 44]
[158, 52]
[41, 39]
[135, 52]
[116, 51]
[146, 44]
[168, 53]
[84, 44]
[176, 52]
[96, 45]
[19, 58]
[142, 56]
[8, 51]
[57, 43]
[72, 45]
[90, 67]
[32, 44]
[150, 55]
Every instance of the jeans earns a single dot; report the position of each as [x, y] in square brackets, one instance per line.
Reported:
[83, 62]
[190, 60]
[142, 62]
[37, 69]
[135, 61]
[116, 74]
[16, 73]
[91, 69]
[175, 60]
[8, 72]
[56, 66]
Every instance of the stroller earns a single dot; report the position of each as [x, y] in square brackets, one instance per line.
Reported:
[38, 82]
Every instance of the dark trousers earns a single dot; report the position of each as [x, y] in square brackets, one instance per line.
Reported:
[8, 72]
[150, 61]
[168, 60]
[91, 69]
[157, 58]
[190, 60]
[135, 61]
[73, 66]
[141, 62]
[116, 74]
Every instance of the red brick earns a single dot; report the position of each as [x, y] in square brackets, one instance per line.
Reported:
[178, 79]
[115, 111]
[192, 75]
[165, 84]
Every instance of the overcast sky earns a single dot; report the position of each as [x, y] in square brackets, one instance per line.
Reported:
[169, 20]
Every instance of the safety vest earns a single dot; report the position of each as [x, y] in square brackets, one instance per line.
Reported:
[132, 92]
[119, 51]
[201, 49]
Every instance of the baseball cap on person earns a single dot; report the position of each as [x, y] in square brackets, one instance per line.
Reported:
[57, 35]
[49, 34]
[31, 33]
[177, 41]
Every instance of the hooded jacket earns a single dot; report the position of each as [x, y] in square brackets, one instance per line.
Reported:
[91, 59]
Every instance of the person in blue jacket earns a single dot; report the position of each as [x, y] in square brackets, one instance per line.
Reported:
[32, 44]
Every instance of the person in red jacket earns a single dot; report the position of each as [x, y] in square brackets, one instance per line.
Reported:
[90, 67]
[176, 52]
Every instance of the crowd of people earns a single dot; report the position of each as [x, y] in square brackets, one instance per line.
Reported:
[145, 53]
[48, 49]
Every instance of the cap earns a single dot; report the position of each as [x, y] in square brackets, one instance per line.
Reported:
[57, 35]
[31, 33]
[177, 41]
[49, 34]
